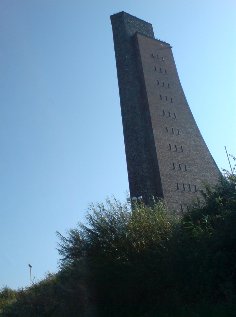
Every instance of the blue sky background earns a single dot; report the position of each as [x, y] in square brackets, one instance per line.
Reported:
[61, 137]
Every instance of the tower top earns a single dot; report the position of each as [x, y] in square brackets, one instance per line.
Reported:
[123, 21]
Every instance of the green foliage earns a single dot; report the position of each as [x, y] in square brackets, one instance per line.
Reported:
[208, 243]
[122, 248]
[142, 261]
[146, 257]
[51, 297]
[7, 297]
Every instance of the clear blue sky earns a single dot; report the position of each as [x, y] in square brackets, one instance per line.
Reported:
[61, 135]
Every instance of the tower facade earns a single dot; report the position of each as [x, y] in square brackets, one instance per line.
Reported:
[165, 152]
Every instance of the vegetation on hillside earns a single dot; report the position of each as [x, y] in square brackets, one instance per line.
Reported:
[142, 262]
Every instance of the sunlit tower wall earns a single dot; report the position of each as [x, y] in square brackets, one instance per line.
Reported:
[165, 152]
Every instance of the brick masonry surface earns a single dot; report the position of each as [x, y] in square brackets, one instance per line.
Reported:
[165, 152]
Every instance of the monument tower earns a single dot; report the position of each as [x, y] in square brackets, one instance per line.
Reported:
[165, 152]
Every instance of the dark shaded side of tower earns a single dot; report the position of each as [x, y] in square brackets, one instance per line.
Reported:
[165, 152]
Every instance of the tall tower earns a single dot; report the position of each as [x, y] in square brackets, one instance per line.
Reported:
[165, 152]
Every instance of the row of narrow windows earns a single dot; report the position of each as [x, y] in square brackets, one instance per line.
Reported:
[186, 187]
[163, 84]
[166, 98]
[175, 148]
[157, 56]
[173, 131]
[160, 70]
[169, 114]
[180, 167]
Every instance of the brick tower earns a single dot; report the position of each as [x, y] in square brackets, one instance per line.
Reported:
[165, 152]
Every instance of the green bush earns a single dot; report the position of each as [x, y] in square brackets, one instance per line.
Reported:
[142, 261]
[52, 297]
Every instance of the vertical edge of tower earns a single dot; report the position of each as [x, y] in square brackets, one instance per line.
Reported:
[142, 164]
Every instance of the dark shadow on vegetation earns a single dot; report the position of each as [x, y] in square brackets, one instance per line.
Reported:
[145, 262]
